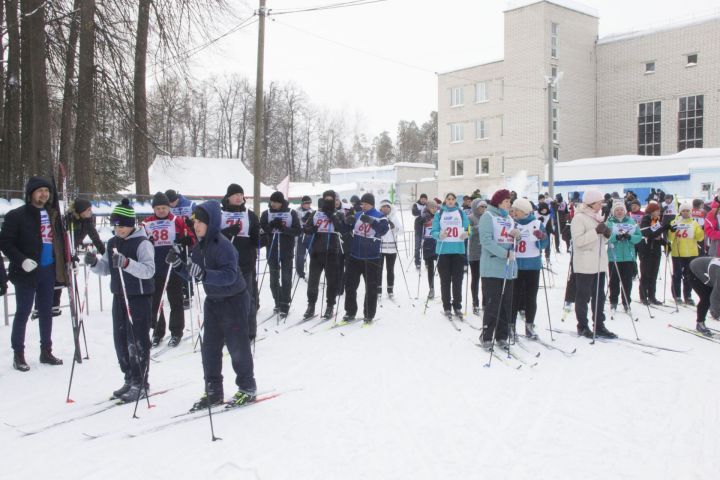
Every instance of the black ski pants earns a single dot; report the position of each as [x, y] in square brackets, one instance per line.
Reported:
[132, 340]
[430, 265]
[328, 263]
[498, 307]
[589, 288]
[681, 273]
[703, 291]
[389, 260]
[525, 291]
[624, 280]
[451, 269]
[649, 268]
[175, 299]
[370, 271]
[475, 283]
[281, 281]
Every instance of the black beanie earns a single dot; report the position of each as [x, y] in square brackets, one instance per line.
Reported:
[368, 198]
[160, 199]
[234, 188]
[354, 199]
[329, 193]
[422, 195]
[277, 197]
[81, 205]
[201, 215]
[123, 215]
[306, 198]
[172, 195]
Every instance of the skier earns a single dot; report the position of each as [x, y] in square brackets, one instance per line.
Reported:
[636, 212]
[528, 250]
[179, 205]
[684, 235]
[368, 227]
[165, 230]
[467, 205]
[32, 238]
[544, 215]
[669, 209]
[324, 228]
[418, 209]
[423, 229]
[498, 270]
[450, 227]
[621, 254]
[130, 258]
[706, 283]
[242, 227]
[283, 225]
[699, 212]
[650, 251]
[479, 207]
[304, 211]
[213, 261]
[590, 235]
[712, 228]
[388, 247]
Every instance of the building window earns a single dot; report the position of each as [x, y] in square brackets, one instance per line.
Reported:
[554, 40]
[456, 96]
[690, 122]
[556, 153]
[555, 123]
[553, 75]
[482, 166]
[481, 92]
[649, 128]
[480, 130]
[649, 67]
[692, 60]
[456, 132]
[456, 168]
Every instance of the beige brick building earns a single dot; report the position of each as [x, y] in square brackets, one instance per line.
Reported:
[649, 92]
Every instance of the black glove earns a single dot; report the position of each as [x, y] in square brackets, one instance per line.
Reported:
[3, 289]
[366, 218]
[673, 228]
[392, 225]
[195, 271]
[232, 230]
[173, 258]
[601, 228]
[350, 219]
[607, 233]
[75, 259]
[623, 236]
[186, 241]
[90, 258]
[277, 224]
[309, 229]
[120, 261]
[190, 223]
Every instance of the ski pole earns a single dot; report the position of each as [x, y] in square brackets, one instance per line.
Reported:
[417, 297]
[547, 303]
[597, 290]
[402, 270]
[497, 319]
[626, 298]
[467, 276]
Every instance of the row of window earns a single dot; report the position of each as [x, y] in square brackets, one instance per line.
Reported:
[690, 61]
[457, 131]
[690, 125]
[482, 167]
[457, 94]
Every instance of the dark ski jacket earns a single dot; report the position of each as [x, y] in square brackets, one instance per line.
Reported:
[365, 247]
[281, 242]
[246, 247]
[322, 242]
[138, 275]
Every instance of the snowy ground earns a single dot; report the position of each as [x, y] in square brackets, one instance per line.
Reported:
[406, 398]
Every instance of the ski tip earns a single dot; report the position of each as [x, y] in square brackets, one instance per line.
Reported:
[152, 405]
[69, 400]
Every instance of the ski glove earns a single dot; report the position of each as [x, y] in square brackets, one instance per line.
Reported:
[232, 230]
[119, 260]
[186, 241]
[538, 234]
[442, 235]
[29, 265]
[601, 228]
[195, 271]
[90, 258]
[515, 233]
[622, 236]
[673, 228]
[277, 224]
[366, 218]
[392, 225]
[173, 258]
[463, 235]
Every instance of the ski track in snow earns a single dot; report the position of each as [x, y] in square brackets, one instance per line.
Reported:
[407, 397]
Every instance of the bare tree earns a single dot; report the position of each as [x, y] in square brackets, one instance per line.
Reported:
[84, 131]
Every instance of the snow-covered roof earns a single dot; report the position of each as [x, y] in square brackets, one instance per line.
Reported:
[677, 24]
[316, 189]
[201, 176]
[468, 67]
[569, 4]
[383, 168]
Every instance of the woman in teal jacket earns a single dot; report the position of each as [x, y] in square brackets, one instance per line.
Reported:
[621, 254]
[450, 229]
[498, 234]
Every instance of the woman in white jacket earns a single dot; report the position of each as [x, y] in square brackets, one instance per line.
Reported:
[388, 248]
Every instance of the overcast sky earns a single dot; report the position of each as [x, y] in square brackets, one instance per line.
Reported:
[377, 61]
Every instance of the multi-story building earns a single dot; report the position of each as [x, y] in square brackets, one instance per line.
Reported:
[649, 92]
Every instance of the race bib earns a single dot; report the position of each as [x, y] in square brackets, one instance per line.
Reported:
[619, 228]
[45, 229]
[237, 218]
[183, 212]
[637, 216]
[501, 230]
[451, 223]
[670, 209]
[699, 216]
[655, 226]
[323, 223]
[685, 230]
[526, 246]
[286, 218]
[544, 219]
[362, 229]
[427, 229]
[161, 232]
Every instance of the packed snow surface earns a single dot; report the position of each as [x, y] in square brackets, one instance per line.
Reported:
[407, 398]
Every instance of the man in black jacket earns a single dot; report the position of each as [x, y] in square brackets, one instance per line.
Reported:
[283, 225]
[32, 238]
[325, 229]
[241, 226]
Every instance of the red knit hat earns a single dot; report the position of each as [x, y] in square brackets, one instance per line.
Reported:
[499, 196]
[652, 207]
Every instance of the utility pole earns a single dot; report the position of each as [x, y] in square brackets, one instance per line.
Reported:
[551, 145]
[259, 108]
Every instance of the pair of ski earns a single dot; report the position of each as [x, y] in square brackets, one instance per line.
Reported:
[100, 407]
[166, 348]
[451, 318]
[509, 357]
[696, 333]
[626, 341]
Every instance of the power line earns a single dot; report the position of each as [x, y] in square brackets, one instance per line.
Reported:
[317, 8]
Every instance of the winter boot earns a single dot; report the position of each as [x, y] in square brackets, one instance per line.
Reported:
[584, 331]
[242, 398]
[431, 293]
[700, 327]
[19, 362]
[448, 314]
[34, 315]
[174, 341]
[486, 344]
[134, 393]
[690, 302]
[655, 301]
[328, 312]
[282, 315]
[310, 312]
[348, 318]
[367, 321]
[458, 313]
[476, 310]
[613, 307]
[390, 292]
[602, 332]
[47, 357]
[121, 391]
[56, 312]
[206, 400]
[155, 342]
[530, 331]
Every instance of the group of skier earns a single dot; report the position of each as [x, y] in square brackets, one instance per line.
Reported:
[502, 243]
